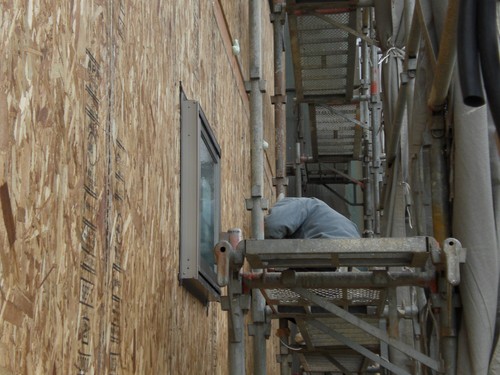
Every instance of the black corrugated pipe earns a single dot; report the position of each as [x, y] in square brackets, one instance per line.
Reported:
[487, 36]
[467, 55]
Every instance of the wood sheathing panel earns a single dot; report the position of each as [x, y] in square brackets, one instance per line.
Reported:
[89, 181]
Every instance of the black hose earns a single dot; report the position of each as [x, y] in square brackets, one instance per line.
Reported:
[467, 55]
[487, 34]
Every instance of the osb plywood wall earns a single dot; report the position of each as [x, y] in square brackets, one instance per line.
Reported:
[89, 180]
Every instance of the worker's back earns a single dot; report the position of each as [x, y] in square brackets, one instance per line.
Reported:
[307, 218]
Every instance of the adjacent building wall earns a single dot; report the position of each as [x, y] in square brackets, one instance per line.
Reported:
[89, 180]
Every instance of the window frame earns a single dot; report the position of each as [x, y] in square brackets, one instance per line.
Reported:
[195, 274]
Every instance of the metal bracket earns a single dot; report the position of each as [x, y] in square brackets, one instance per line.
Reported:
[450, 257]
[264, 204]
[262, 86]
[284, 179]
[236, 314]
[251, 329]
[404, 78]
[266, 323]
[237, 305]
[222, 252]
[276, 99]
[454, 255]
[229, 260]
[412, 66]
[229, 257]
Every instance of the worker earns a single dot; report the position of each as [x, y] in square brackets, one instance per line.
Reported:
[304, 218]
[307, 218]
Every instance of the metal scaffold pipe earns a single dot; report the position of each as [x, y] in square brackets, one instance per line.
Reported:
[256, 120]
[376, 108]
[398, 116]
[360, 279]
[298, 154]
[298, 173]
[236, 319]
[446, 58]
[278, 17]
[258, 327]
[367, 191]
[279, 98]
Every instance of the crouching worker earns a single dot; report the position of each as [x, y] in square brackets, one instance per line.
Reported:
[307, 218]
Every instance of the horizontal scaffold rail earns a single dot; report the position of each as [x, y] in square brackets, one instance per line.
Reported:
[352, 252]
[372, 279]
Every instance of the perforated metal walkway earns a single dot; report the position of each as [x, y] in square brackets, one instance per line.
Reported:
[325, 62]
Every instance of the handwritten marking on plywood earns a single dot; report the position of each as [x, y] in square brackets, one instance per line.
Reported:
[119, 197]
[88, 259]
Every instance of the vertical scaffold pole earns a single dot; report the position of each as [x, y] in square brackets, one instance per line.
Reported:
[298, 171]
[367, 192]
[236, 315]
[257, 204]
[298, 152]
[376, 108]
[279, 101]
[441, 231]
[279, 98]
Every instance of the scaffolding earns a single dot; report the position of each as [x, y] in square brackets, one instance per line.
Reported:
[389, 303]
[348, 318]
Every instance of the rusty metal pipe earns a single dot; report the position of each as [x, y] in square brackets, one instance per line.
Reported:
[364, 279]
[446, 59]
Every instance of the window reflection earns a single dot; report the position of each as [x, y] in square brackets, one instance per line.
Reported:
[207, 205]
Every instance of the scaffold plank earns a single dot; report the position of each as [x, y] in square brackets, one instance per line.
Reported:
[352, 252]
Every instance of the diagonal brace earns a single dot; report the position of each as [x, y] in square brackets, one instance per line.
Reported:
[336, 363]
[381, 335]
[359, 348]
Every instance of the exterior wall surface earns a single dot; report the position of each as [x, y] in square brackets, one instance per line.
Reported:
[90, 175]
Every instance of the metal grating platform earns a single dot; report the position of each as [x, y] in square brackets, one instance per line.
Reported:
[323, 54]
[337, 132]
[343, 296]
[325, 60]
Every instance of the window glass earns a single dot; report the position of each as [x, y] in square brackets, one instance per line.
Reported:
[207, 205]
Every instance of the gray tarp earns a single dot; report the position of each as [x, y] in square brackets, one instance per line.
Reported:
[474, 193]
[475, 224]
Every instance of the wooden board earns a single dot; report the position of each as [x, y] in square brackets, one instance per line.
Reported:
[89, 176]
